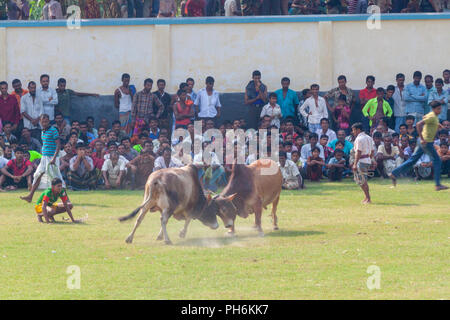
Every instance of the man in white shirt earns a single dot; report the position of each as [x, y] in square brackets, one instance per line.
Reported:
[231, 8]
[48, 96]
[317, 109]
[166, 161]
[399, 101]
[363, 148]
[207, 104]
[31, 108]
[325, 130]
[292, 178]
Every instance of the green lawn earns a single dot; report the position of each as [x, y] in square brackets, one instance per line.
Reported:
[325, 244]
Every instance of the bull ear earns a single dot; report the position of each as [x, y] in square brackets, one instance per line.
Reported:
[230, 198]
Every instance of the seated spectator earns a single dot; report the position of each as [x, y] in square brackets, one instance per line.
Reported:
[336, 166]
[377, 141]
[273, 110]
[325, 130]
[307, 149]
[64, 159]
[17, 172]
[112, 137]
[85, 135]
[387, 157]
[91, 127]
[114, 171]
[129, 152]
[140, 143]
[314, 165]
[298, 143]
[410, 128]
[140, 168]
[327, 151]
[8, 137]
[341, 137]
[62, 126]
[404, 132]
[383, 127]
[165, 160]
[112, 147]
[212, 175]
[423, 169]
[7, 154]
[82, 175]
[442, 138]
[444, 154]
[116, 128]
[33, 144]
[292, 178]
[404, 143]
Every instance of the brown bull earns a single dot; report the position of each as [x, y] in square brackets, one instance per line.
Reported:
[174, 192]
[250, 189]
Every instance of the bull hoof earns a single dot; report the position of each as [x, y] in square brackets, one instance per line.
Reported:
[276, 228]
[129, 239]
[159, 238]
[255, 227]
[230, 234]
[261, 233]
[182, 234]
[168, 242]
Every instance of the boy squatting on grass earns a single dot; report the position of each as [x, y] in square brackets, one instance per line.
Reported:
[47, 207]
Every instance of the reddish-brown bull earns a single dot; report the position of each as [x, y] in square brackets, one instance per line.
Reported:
[250, 189]
[177, 192]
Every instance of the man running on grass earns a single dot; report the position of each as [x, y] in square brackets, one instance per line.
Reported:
[427, 129]
[363, 146]
[50, 151]
[47, 207]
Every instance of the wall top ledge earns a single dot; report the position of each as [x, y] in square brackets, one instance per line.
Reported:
[225, 20]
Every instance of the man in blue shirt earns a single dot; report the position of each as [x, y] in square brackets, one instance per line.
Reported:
[415, 97]
[287, 99]
[348, 146]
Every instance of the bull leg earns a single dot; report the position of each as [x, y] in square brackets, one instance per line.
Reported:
[165, 215]
[231, 231]
[274, 213]
[129, 239]
[160, 235]
[258, 214]
[184, 230]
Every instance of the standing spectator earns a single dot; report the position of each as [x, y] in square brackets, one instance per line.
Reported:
[48, 96]
[429, 86]
[341, 114]
[427, 129]
[273, 110]
[446, 76]
[232, 8]
[183, 111]
[123, 97]
[192, 95]
[18, 91]
[325, 130]
[207, 104]
[62, 126]
[317, 109]
[52, 10]
[145, 106]
[415, 97]
[91, 9]
[18, 10]
[17, 172]
[9, 108]
[287, 99]
[195, 8]
[399, 101]
[377, 108]
[165, 98]
[167, 8]
[31, 109]
[65, 98]
[439, 94]
[365, 95]
[289, 170]
[255, 97]
[357, 6]
[82, 175]
[250, 7]
[271, 7]
[114, 171]
[336, 93]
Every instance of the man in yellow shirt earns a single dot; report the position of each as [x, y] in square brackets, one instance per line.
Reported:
[427, 129]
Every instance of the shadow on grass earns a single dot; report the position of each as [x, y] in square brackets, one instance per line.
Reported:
[293, 233]
[92, 205]
[395, 204]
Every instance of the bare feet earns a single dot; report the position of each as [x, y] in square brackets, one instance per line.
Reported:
[394, 180]
[366, 201]
[27, 198]
[441, 187]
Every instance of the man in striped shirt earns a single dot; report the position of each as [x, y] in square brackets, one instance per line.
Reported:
[49, 162]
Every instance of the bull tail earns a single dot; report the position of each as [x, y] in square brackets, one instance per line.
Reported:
[136, 211]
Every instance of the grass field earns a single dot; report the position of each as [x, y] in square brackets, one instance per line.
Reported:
[325, 244]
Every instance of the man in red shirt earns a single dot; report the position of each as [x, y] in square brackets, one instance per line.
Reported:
[195, 8]
[18, 92]
[17, 172]
[9, 107]
[369, 92]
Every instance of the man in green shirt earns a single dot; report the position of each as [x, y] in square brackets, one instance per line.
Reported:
[427, 129]
[377, 108]
[65, 98]
[47, 207]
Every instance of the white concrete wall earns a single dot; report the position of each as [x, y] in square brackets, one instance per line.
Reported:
[93, 58]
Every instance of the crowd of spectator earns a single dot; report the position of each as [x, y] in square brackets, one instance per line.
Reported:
[95, 9]
[315, 140]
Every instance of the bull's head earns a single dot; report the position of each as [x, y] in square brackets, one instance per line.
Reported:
[208, 216]
[223, 207]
